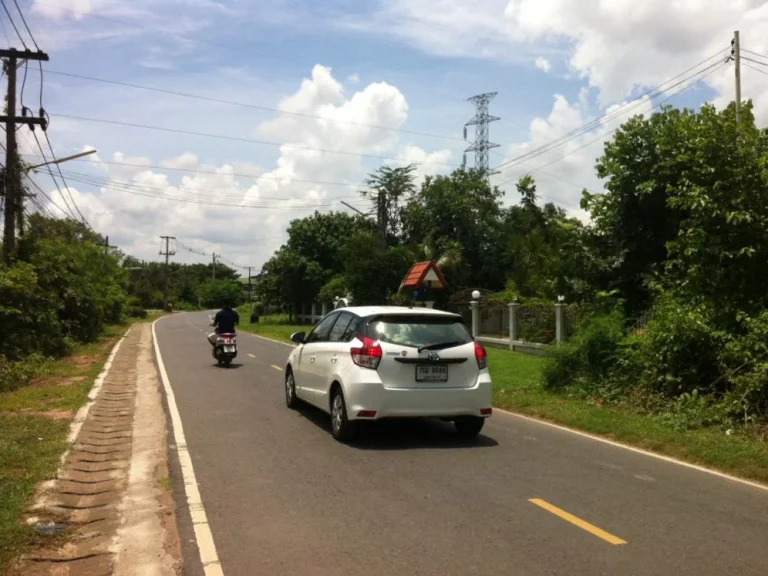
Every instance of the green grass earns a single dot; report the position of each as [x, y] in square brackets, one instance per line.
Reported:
[32, 442]
[30, 447]
[518, 387]
[280, 332]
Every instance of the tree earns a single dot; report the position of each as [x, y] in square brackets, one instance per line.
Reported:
[290, 280]
[459, 212]
[373, 273]
[388, 186]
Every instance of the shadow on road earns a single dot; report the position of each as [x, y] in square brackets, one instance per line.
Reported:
[401, 434]
[232, 366]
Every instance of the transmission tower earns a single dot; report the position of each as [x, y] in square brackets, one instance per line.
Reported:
[481, 145]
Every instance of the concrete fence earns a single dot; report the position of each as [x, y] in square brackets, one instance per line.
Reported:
[512, 336]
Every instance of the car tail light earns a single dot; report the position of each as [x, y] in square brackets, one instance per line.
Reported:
[486, 411]
[481, 356]
[368, 355]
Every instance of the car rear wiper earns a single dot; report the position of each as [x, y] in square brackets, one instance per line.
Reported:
[440, 345]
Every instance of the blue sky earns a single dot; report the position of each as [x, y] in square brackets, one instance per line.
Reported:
[408, 64]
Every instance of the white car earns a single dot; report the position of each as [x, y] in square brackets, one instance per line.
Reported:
[367, 363]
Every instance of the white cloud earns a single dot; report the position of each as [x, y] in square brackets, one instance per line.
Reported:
[353, 78]
[252, 208]
[543, 64]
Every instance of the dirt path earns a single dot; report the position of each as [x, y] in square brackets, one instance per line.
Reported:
[110, 507]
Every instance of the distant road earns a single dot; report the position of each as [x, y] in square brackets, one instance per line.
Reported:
[283, 498]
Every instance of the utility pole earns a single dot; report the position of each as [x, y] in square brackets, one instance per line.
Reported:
[249, 284]
[167, 253]
[736, 54]
[214, 267]
[14, 195]
[382, 216]
[106, 245]
[481, 145]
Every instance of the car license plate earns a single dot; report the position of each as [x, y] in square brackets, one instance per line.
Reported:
[427, 373]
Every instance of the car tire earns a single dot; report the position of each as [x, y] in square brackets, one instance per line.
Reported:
[342, 428]
[469, 426]
[290, 390]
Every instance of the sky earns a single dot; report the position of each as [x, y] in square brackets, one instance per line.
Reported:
[296, 101]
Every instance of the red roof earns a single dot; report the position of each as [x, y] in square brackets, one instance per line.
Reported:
[419, 271]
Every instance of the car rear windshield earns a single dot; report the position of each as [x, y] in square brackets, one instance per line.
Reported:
[415, 330]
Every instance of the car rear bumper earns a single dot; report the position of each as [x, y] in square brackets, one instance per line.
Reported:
[418, 402]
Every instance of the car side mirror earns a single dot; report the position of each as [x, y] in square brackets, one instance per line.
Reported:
[298, 337]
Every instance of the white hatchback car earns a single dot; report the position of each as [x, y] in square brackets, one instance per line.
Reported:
[366, 363]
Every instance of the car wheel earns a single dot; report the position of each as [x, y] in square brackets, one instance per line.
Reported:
[227, 362]
[290, 390]
[341, 428]
[469, 426]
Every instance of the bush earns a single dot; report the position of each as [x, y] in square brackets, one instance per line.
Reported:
[136, 312]
[678, 352]
[745, 362]
[14, 375]
[589, 358]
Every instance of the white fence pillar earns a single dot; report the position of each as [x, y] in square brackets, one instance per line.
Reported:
[475, 306]
[324, 308]
[514, 323]
[559, 323]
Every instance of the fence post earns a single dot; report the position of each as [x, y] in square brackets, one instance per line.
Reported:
[475, 306]
[514, 323]
[559, 322]
[324, 308]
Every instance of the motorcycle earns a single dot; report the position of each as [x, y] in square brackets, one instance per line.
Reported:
[225, 349]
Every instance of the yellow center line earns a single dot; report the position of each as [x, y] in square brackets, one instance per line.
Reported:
[276, 367]
[594, 530]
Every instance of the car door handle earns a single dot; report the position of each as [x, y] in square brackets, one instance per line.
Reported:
[333, 360]
[311, 358]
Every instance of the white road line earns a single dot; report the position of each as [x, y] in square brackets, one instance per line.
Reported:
[637, 450]
[252, 355]
[205, 544]
[268, 339]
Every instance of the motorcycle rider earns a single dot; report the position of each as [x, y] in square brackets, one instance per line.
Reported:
[224, 322]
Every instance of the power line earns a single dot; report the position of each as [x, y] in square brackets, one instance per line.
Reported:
[202, 201]
[61, 193]
[755, 61]
[26, 25]
[58, 167]
[238, 139]
[178, 189]
[714, 67]
[31, 181]
[754, 53]
[755, 68]
[622, 110]
[13, 24]
[213, 172]
[252, 106]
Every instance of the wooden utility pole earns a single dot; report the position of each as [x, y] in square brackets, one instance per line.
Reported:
[167, 253]
[214, 267]
[14, 195]
[736, 53]
[249, 284]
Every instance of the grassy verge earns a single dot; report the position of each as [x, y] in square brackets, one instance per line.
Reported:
[34, 422]
[517, 387]
[280, 332]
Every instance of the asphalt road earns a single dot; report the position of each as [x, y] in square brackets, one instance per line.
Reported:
[282, 497]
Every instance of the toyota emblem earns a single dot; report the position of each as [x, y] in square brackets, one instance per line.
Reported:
[434, 357]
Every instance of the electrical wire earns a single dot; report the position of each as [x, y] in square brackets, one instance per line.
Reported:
[24, 20]
[718, 65]
[174, 188]
[50, 147]
[13, 23]
[230, 202]
[61, 193]
[756, 69]
[755, 61]
[31, 181]
[213, 172]
[253, 106]
[621, 111]
[238, 139]
[754, 53]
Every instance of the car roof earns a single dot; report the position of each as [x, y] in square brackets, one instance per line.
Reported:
[365, 311]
